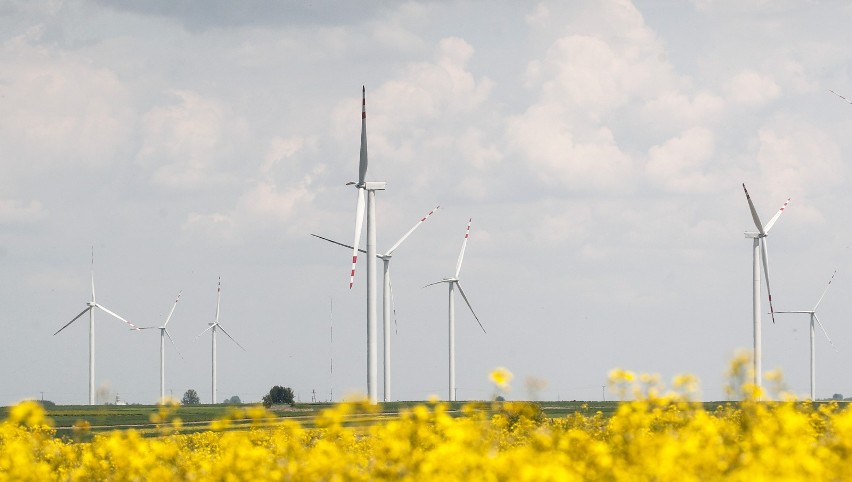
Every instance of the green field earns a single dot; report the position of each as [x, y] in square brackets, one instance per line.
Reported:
[197, 417]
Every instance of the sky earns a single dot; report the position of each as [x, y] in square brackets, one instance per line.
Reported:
[599, 148]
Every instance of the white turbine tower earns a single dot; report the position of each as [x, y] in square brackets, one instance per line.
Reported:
[814, 318]
[760, 253]
[212, 328]
[90, 308]
[370, 188]
[453, 282]
[163, 334]
[387, 298]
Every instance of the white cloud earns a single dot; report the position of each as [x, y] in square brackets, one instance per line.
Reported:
[15, 211]
[752, 88]
[186, 144]
[681, 164]
[60, 109]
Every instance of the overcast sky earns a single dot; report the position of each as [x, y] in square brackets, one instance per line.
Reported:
[599, 146]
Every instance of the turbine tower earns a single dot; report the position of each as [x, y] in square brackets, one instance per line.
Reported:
[90, 308]
[760, 253]
[212, 328]
[163, 334]
[814, 317]
[370, 188]
[452, 283]
[387, 298]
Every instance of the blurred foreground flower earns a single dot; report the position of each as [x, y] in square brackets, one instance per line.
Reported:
[501, 377]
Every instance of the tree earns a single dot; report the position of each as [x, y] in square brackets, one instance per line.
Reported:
[235, 400]
[278, 395]
[190, 398]
[837, 396]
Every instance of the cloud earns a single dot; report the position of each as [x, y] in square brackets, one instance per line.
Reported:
[58, 108]
[188, 144]
[15, 211]
[681, 163]
[752, 88]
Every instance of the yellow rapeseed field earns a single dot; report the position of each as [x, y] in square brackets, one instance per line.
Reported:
[661, 434]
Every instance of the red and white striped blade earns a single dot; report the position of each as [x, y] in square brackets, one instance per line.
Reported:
[825, 290]
[754, 215]
[464, 244]
[359, 222]
[838, 95]
[362, 165]
[113, 314]
[764, 256]
[471, 308]
[422, 220]
[777, 215]
[173, 309]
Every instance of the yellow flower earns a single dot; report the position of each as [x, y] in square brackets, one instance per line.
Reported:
[501, 377]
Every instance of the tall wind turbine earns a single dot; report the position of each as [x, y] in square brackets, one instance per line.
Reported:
[90, 308]
[163, 334]
[212, 328]
[370, 188]
[814, 317]
[760, 253]
[387, 297]
[452, 283]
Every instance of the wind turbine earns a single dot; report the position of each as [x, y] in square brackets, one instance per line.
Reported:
[387, 298]
[90, 308]
[760, 254]
[163, 334]
[814, 317]
[370, 188]
[453, 282]
[212, 328]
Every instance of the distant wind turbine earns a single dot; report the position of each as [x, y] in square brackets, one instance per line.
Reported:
[90, 308]
[370, 188]
[387, 297]
[163, 334]
[452, 283]
[814, 317]
[760, 253]
[212, 328]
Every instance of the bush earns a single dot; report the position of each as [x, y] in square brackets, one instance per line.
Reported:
[278, 395]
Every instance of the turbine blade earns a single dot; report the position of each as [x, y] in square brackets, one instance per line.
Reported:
[120, 318]
[206, 330]
[824, 332]
[218, 298]
[433, 284]
[173, 342]
[471, 308]
[362, 164]
[464, 243]
[764, 256]
[231, 337]
[754, 215]
[838, 95]
[93, 274]
[359, 221]
[337, 243]
[422, 220]
[777, 215]
[826, 289]
[73, 319]
[173, 309]
[782, 312]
